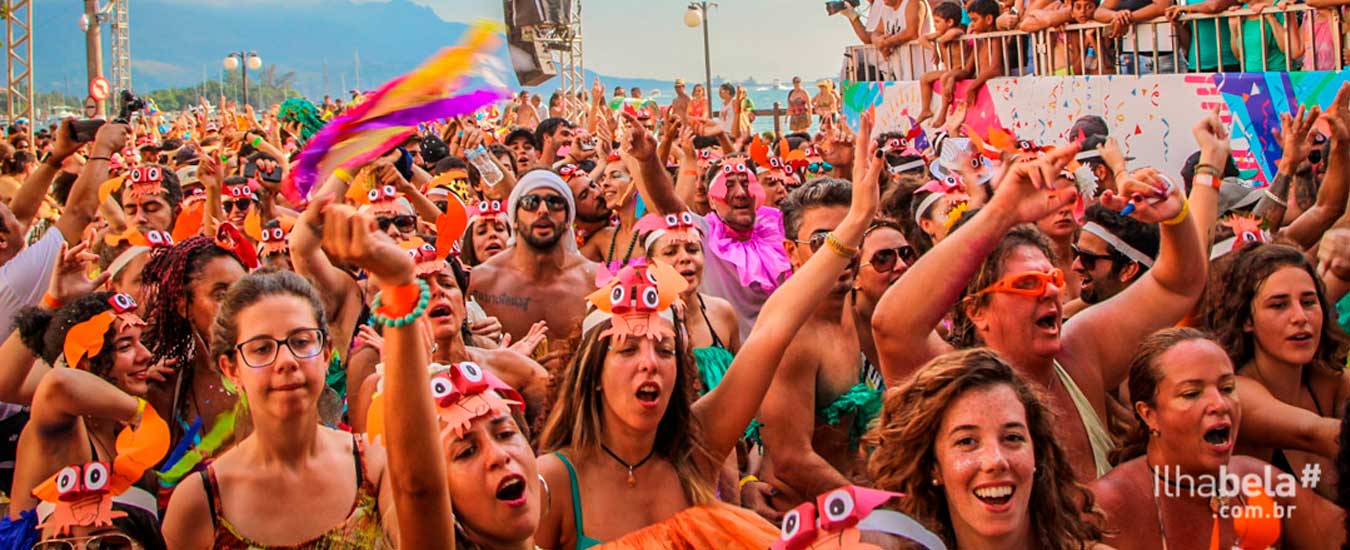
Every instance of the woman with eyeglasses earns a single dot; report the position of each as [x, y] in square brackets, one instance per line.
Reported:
[884, 256]
[76, 415]
[270, 340]
[1162, 493]
[998, 278]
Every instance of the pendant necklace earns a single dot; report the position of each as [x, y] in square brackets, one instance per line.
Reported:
[632, 480]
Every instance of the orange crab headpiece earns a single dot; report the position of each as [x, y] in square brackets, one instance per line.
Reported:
[145, 181]
[462, 392]
[84, 493]
[85, 340]
[634, 298]
[837, 519]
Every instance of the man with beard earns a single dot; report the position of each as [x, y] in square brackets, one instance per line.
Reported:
[594, 231]
[542, 277]
[554, 137]
[823, 393]
[1112, 252]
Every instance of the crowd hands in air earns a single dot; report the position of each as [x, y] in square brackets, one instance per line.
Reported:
[651, 328]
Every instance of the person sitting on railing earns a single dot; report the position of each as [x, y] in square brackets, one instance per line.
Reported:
[982, 59]
[1264, 45]
[1206, 43]
[946, 52]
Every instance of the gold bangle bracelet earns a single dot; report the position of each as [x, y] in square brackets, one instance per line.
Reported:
[843, 250]
[1181, 216]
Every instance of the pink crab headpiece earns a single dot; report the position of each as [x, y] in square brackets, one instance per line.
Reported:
[717, 190]
[1246, 231]
[837, 519]
[462, 392]
[634, 298]
[949, 186]
[384, 199]
[707, 157]
[681, 228]
[487, 210]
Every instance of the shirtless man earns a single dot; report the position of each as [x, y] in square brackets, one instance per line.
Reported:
[810, 434]
[542, 277]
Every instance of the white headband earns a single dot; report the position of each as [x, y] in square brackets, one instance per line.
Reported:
[1120, 246]
[125, 258]
[656, 235]
[902, 168]
[925, 204]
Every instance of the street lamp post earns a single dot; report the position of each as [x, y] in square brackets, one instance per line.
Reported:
[694, 16]
[250, 61]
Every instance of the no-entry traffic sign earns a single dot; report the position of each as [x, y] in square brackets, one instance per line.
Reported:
[98, 88]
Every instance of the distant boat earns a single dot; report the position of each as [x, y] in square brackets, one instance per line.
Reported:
[778, 85]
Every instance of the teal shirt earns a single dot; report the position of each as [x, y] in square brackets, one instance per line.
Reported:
[1204, 43]
[1252, 38]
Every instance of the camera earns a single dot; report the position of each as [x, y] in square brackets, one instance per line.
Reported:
[835, 6]
[83, 131]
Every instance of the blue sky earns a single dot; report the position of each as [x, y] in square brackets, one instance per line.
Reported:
[647, 38]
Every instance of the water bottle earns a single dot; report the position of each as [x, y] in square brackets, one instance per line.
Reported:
[478, 156]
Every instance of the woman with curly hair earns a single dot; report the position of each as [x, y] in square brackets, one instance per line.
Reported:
[77, 411]
[972, 446]
[185, 285]
[1271, 318]
[1186, 401]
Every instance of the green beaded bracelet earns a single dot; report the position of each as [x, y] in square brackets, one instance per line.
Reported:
[422, 301]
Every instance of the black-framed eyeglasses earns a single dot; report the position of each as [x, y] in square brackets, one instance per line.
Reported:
[105, 541]
[884, 260]
[530, 203]
[240, 205]
[1089, 259]
[261, 351]
[404, 222]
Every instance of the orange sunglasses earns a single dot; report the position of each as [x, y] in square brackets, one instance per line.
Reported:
[1030, 283]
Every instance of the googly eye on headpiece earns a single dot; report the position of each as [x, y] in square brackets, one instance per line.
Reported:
[837, 519]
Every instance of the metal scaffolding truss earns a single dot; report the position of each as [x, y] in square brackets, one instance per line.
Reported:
[121, 47]
[19, 62]
[562, 41]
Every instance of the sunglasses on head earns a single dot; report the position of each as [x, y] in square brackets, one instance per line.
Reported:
[240, 205]
[108, 541]
[1030, 283]
[885, 260]
[404, 222]
[530, 203]
[1089, 259]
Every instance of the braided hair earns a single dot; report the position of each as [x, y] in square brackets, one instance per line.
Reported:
[169, 275]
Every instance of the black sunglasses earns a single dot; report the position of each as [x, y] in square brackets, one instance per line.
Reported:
[884, 260]
[404, 222]
[240, 205]
[1089, 259]
[108, 541]
[530, 203]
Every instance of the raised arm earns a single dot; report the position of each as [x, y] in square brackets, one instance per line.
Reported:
[1158, 299]
[82, 204]
[416, 466]
[67, 394]
[903, 323]
[1331, 197]
[728, 408]
[1269, 423]
[28, 200]
[310, 261]
[652, 180]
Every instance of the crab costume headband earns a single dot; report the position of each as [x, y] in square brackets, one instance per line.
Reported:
[230, 238]
[450, 226]
[682, 228]
[837, 519]
[633, 300]
[717, 190]
[85, 340]
[949, 186]
[488, 211]
[462, 392]
[274, 240]
[145, 182]
[1246, 232]
[384, 199]
[773, 160]
[83, 495]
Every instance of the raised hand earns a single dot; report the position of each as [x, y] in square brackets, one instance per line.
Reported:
[1338, 114]
[1141, 188]
[70, 276]
[1295, 134]
[1333, 254]
[1032, 189]
[354, 238]
[1212, 137]
[639, 143]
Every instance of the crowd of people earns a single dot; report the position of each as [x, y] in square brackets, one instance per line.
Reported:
[605, 321]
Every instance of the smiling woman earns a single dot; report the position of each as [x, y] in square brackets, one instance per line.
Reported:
[971, 444]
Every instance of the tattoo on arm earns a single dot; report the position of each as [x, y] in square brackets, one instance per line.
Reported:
[503, 299]
[1305, 191]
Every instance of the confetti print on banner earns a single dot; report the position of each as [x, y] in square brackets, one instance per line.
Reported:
[1167, 132]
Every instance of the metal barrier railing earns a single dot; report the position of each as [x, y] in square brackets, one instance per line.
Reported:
[1307, 39]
